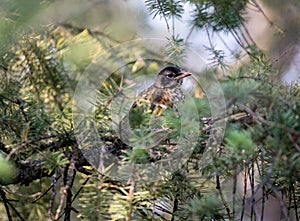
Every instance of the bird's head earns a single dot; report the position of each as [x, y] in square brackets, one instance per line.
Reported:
[170, 77]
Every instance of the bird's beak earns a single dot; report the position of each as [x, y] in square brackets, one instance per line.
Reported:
[183, 75]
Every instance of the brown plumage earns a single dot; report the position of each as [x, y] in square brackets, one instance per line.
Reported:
[164, 93]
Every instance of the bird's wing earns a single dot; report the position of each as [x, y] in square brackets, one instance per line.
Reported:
[145, 101]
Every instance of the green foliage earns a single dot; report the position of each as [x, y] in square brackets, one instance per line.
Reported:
[168, 8]
[219, 15]
[138, 117]
[176, 50]
[51, 177]
[139, 155]
[217, 57]
[205, 208]
[239, 145]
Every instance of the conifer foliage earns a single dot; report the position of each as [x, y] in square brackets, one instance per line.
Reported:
[45, 175]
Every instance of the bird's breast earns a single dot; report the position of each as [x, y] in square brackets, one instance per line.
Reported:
[157, 99]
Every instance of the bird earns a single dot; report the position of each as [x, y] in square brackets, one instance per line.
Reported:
[165, 92]
[150, 104]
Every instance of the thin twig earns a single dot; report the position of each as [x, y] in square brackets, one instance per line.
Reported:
[218, 187]
[263, 196]
[189, 34]
[4, 200]
[281, 203]
[252, 192]
[164, 16]
[175, 208]
[245, 192]
[27, 143]
[225, 44]
[295, 202]
[248, 34]
[43, 194]
[7, 204]
[285, 52]
[62, 198]
[234, 193]
[173, 26]
[69, 184]
[244, 37]
[52, 198]
[266, 17]
[16, 211]
[269, 123]
[80, 189]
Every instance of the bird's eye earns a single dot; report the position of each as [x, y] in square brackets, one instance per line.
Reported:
[171, 75]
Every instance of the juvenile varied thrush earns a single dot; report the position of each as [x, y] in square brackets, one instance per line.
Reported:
[165, 93]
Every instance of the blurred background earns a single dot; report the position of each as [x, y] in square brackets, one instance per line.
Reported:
[272, 25]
